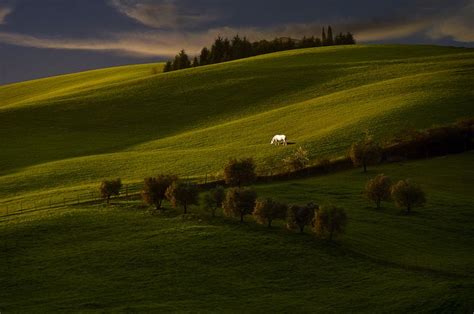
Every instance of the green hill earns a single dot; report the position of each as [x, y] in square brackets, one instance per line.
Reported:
[71, 131]
[122, 259]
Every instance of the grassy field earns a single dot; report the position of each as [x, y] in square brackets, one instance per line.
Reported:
[62, 135]
[121, 258]
[66, 133]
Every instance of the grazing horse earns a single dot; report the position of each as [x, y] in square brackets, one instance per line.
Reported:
[279, 139]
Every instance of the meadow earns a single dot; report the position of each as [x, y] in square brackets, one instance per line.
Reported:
[71, 131]
[61, 136]
[122, 258]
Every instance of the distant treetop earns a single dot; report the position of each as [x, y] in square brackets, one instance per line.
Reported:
[223, 49]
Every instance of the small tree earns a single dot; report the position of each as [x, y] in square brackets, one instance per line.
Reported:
[300, 216]
[239, 202]
[297, 161]
[365, 152]
[378, 189]
[267, 210]
[110, 188]
[195, 62]
[240, 172]
[182, 194]
[154, 191]
[330, 221]
[408, 195]
[168, 67]
[213, 199]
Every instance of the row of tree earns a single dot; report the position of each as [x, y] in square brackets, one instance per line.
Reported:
[327, 221]
[225, 49]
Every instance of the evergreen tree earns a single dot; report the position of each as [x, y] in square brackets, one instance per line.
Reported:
[176, 63]
[246, 48]
[236, 48]
[168, 67]
[227, 51]
[184, 62]
[204, 57]
[330, 38]
[349, 40]
[195, 62]
[317, 42]
[217, 51]
[323, 36]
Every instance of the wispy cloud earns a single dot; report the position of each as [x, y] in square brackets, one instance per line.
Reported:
[4, 12]
[459, 27]
[138, 44]
[165, 42]
[161, 14]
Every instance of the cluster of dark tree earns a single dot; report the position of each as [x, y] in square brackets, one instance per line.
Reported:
[404, 193]
[225, 49]
[238, 201]
[437, 141]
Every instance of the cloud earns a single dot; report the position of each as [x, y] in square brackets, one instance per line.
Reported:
[164, 14]
[459, 27]
[134, 44]
[4, 12]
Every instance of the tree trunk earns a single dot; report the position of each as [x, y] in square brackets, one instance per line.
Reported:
[378, 204]
[108, 200]
[241, 217]
[408, 209]
[185, 208]
[269, 223]
[365, 167]
[301, 229]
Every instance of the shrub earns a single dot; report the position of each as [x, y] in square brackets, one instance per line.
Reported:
[378, 189]
[365, 152]
[407, 195]
[182, 194]
[267, 210]
[110, 188]
[213, 199]
[330, 221]
[300, 216]
[240, 172]
[239, 202]
[297, 161]
[154, 191]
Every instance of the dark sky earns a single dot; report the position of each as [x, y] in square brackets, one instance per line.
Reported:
[40, 38]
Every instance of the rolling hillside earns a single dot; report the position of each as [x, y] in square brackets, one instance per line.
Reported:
[122, 259]
[62, 135]
[69, 132]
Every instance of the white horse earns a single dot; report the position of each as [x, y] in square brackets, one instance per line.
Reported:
[279, 139]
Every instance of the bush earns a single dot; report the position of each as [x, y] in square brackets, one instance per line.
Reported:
[239, 202]
[240, 172]
[213, 199]
[300, 216]
[378, 189]
[154, 191]
[182, 194]
[267, 210]
[297, 161]
[365, 152]
[330, 221]
[110, 188]
[407, 195]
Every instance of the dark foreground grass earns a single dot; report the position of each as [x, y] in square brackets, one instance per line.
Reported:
[123, 259]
